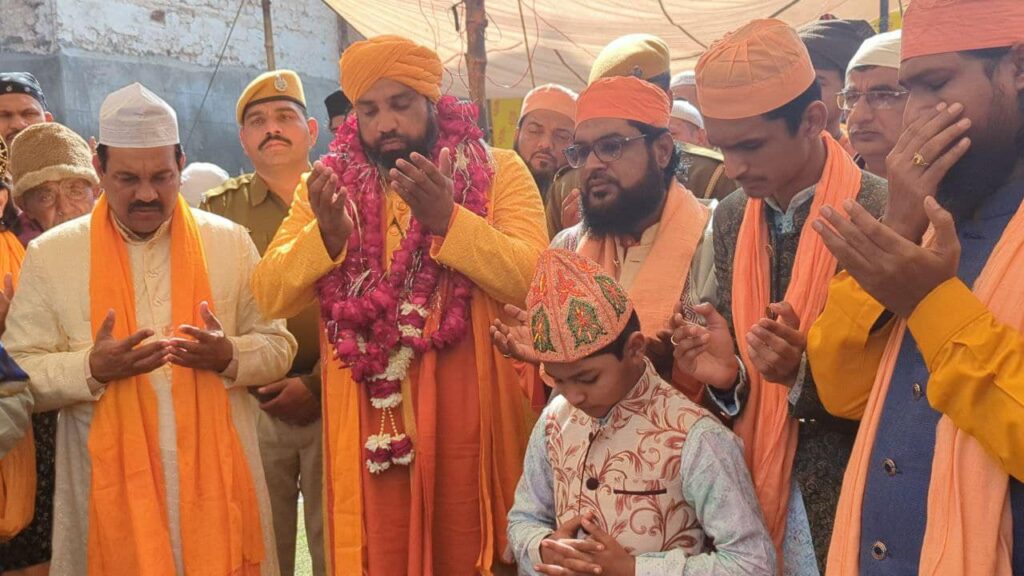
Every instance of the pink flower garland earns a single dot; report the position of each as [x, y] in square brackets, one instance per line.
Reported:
[375, 318]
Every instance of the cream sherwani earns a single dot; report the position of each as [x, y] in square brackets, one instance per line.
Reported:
[50, 335]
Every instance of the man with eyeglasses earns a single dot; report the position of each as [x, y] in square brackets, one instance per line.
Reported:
[53, 182]
[53, 178]
[644, 228]
[874, 100]
[763, 108]
[646, 57]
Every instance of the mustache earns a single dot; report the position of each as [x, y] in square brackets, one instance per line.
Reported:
[138, 205]
[271, 137]
[600, 178]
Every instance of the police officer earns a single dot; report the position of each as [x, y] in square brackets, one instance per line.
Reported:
[277, 135]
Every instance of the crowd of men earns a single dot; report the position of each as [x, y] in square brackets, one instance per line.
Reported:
[761, 317]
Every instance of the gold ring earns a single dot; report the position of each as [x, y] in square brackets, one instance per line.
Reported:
[920, 161]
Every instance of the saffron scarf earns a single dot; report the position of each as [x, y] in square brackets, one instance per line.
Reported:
[128, 520]
[18, 467]
[970, 527]
[769, 435]
[659, 284]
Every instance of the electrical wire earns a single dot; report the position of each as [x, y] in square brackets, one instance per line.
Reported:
[220, 58]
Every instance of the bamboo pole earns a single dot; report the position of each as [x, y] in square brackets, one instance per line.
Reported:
[476, 58]
[268, 35]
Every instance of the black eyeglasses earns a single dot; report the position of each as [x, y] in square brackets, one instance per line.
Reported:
[876, 99]
[607, 150]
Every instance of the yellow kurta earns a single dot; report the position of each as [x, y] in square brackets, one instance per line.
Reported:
[975, 364]
[498, 253]
[50, 335]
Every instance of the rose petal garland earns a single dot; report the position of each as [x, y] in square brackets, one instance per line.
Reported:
[376, 318]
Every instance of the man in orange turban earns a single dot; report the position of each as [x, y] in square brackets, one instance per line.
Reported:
[762, 107]
[646, 230]
[412, 234]
[921, 338]
[542, 134]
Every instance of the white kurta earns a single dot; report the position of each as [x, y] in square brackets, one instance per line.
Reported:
[49, 333]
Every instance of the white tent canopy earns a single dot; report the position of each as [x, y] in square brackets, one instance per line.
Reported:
[564, 36]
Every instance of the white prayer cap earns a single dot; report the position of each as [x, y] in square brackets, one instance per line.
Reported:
[134, 117]
[683, 110]
[879, 50]
[684, 78]
[199, 178]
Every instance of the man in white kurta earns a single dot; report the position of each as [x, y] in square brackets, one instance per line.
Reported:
[50, 334]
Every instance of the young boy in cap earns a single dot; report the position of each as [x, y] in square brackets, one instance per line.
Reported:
[623, 474]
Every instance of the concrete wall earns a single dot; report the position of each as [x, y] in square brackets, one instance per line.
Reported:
[81, 50]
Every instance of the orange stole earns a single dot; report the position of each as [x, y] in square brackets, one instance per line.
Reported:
[970, 527]
[659, 285]
[128, 530]
[18, 467]
[769, 435]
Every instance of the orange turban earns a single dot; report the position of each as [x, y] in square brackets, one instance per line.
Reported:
[625, 97]
[365, 62]
[550, 97]
[941, 26]
[754, 70]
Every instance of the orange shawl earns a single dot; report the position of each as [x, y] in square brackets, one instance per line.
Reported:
[769, 435]
[18, 467]
[659, 285]
[969, 529]
[128, 530]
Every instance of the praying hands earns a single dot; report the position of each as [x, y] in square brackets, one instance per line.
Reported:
[427, 189]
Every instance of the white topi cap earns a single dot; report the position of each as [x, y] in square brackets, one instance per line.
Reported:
[134, 117]
[684, 78]
[683, 110]
[199, 178]
[879, 50]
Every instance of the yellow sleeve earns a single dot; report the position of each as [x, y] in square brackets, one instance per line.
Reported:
[842, 351]
[499, 255]
[976, 370]
[283, 283]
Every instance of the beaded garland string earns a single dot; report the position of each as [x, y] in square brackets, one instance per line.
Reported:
[376, 318]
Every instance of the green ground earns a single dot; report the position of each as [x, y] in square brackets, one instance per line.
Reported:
[303, 563]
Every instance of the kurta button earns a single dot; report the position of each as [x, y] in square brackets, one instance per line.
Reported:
[917, 391]
[879, 551]
[890, 466]
[592, 483]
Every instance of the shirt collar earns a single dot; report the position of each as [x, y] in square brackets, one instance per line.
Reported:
[799, 200]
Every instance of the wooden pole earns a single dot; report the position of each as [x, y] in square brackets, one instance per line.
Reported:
[268, 35]
[476, 58]
[883, 19]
